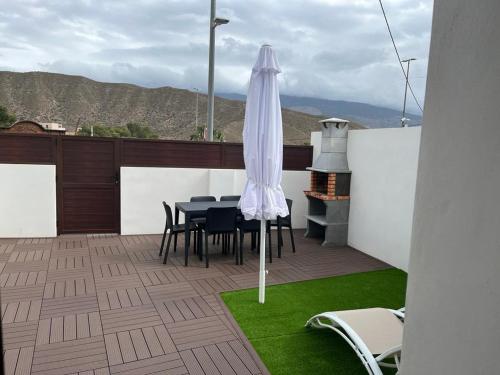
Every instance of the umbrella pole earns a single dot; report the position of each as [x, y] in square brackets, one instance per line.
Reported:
[262, 273]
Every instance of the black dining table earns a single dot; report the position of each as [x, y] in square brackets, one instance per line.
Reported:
[196, 209]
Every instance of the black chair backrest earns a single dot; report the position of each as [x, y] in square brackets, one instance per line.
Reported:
[203, 198]
[168, 213]
[221, 219]
[250, 225]
[287, 219]
[232, 198]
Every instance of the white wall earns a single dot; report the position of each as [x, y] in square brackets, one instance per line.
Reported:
[143, 190]
[452, 324]
[384, 170]
[27, 200]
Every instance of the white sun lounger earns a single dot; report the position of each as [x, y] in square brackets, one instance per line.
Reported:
[375, 334]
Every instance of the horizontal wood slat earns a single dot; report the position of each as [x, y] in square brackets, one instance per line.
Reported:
[40, 149]
[27, 149]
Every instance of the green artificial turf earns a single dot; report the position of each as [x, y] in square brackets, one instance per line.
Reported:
[276, 329]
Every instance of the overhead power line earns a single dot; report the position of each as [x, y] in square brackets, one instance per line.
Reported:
[399, 58]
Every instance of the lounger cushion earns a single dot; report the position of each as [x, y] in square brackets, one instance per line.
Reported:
[378, 328]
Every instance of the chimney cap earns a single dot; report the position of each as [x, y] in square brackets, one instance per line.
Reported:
[334, 120]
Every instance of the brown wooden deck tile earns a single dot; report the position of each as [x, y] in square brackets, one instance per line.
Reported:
[110, 259]
[243, 354]
[68, 305]
[145, 255]
[233, 269]
[23, 311]
[118, 282]
[69, 327]
[113, 240]
[29, 255]
[137, 344]
[108, 250]
[69, 243]
[218, 359]
[21, 293]
[117, 299]
[129, 318]
[23, 278]
[33, 266]
[169, 364]
[168, 292]
[34, 241]
[113, 269]
[213, 285]
[70, 288]
[139, 242]
[5, 251]
[69, 262]
[77, 252]
[18, 335]
[200, 272]
[70, 357]
[18, 361]
[199, 332]
[101, 304]
[184, 309]
[162, 276]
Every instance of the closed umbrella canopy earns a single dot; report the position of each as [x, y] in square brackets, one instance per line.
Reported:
[263, 198]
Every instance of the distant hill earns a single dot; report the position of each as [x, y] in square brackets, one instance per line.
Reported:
[75, 101]
[367, 115]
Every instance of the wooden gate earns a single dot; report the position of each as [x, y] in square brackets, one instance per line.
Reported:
[88, 185]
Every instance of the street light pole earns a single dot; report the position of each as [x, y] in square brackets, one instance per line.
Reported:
[196, 112]
[214, 22]
[407, 61]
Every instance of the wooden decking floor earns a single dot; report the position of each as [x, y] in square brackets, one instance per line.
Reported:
[105, 304]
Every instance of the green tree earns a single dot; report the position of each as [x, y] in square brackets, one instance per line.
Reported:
[131, 130]
[199, 135]
[140, 131]
[6, 119]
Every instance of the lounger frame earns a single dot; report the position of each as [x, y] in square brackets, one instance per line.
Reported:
[372, 363]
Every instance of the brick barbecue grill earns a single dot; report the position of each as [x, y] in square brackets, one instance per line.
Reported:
[329, 195]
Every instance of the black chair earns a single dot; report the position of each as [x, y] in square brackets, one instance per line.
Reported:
[199, 220]
[230, 198]
[227, 198]
[173, 229]
[220, 220]
[284, 222]
[253, 227]
[203, 198]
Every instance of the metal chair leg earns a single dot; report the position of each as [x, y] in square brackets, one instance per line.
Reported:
[206, 249]
[280, 239]
[168, 248]
[291, 238]
[270, 248]
[195, 242]
[239, 259]
[175, 242]
[199, 233]
[163, 239]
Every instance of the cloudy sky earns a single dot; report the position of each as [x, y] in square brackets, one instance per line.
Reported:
[333, 49]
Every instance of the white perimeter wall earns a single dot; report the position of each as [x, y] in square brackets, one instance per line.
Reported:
[143, 190]
[27, 200]
[384, 170]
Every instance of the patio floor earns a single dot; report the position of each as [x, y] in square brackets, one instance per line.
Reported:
[105, 304]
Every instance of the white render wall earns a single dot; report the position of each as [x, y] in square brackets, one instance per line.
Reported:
[384, 172]
[452, 324]
[27, 200]
[143, 189]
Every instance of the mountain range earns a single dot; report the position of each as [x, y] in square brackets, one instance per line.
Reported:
[75, 101]
[370, 116]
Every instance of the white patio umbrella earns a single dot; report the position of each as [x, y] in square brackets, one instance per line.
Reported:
[263, 199]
